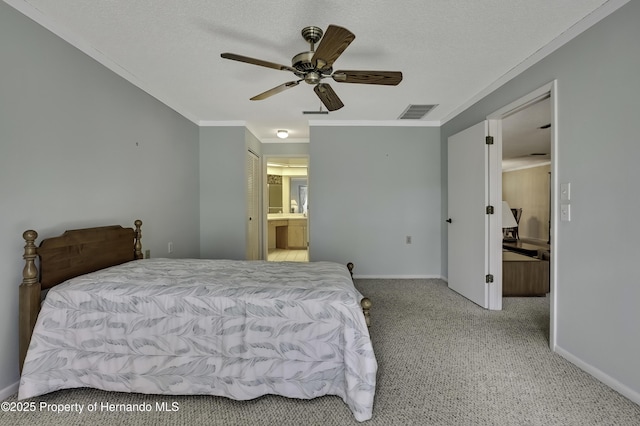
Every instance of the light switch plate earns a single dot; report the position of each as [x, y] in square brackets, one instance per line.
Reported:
[565, 191]
[565, 212]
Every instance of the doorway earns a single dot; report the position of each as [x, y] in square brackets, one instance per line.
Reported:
[487, 233]
[522, 128]
[286, 222]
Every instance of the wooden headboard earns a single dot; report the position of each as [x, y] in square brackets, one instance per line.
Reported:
[74, 253]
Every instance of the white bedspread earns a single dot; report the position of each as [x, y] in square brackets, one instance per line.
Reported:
[239, 329]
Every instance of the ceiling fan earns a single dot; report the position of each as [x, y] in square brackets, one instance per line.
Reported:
[317, 64]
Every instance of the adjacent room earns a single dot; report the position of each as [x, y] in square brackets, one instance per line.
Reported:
[526, 198]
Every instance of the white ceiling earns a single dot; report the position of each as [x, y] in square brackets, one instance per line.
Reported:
[450, 52]
[525, 136]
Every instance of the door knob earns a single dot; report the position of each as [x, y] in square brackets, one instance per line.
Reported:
[449, 220]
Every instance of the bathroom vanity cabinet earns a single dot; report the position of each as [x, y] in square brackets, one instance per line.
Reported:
[287, 231]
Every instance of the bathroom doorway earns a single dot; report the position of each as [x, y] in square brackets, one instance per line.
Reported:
[287, 209]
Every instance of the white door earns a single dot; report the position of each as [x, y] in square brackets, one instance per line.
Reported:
[468, 227]
[253, 206]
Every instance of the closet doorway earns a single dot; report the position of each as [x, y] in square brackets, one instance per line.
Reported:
[286, 222]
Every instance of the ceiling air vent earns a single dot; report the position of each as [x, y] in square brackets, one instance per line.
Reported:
[416, 112]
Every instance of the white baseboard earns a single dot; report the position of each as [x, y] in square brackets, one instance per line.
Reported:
[398, 277]
[9, 390]
[614, 384]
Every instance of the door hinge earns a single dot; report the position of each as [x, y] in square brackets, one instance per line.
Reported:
[488, 278]
[488, 140]
[489, 209]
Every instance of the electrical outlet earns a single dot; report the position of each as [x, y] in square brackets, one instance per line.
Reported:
[170, 247]
[408, 239]
[147, 254]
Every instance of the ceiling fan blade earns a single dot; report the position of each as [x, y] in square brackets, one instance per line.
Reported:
[254, 61]
[328, 96]
[275, 90]
[333, 43]
[388, 78]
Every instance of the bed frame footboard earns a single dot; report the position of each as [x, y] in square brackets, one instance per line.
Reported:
[366, 307]
[365, 302]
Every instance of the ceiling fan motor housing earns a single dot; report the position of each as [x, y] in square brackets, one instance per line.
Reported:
[302, 62]
[308, 71]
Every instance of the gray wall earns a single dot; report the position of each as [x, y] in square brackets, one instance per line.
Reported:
[223, 190]
[598, 102]
[68, 158]
[292, 149]
[370, 188]
[528, 189]
[223, 228]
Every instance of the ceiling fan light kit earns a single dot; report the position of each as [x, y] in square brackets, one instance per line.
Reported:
[317, 64]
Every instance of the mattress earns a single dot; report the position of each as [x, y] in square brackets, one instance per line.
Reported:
[238, 329]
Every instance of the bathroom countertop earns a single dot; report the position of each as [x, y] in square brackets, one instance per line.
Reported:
[285, 216]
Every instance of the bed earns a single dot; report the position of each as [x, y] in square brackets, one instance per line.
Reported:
[114, 321]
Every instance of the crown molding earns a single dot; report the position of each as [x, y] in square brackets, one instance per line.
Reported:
[374, 123]
[284, 141]
[229, 123]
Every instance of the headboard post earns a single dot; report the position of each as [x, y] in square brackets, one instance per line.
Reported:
[138, 242]
[29, 294]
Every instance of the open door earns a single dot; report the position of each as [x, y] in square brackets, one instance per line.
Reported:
[470, 222]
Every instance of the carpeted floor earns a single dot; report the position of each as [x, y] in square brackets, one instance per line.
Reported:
[442, 361]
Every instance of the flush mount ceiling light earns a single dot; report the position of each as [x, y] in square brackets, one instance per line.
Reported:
[282, 134]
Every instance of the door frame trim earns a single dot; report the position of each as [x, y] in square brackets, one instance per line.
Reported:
[494, 128]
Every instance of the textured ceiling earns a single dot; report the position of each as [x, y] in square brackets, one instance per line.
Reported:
[526, 137]
[449, 51]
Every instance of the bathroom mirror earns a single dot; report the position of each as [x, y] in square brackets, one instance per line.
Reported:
[274, 183]
[298, 195]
